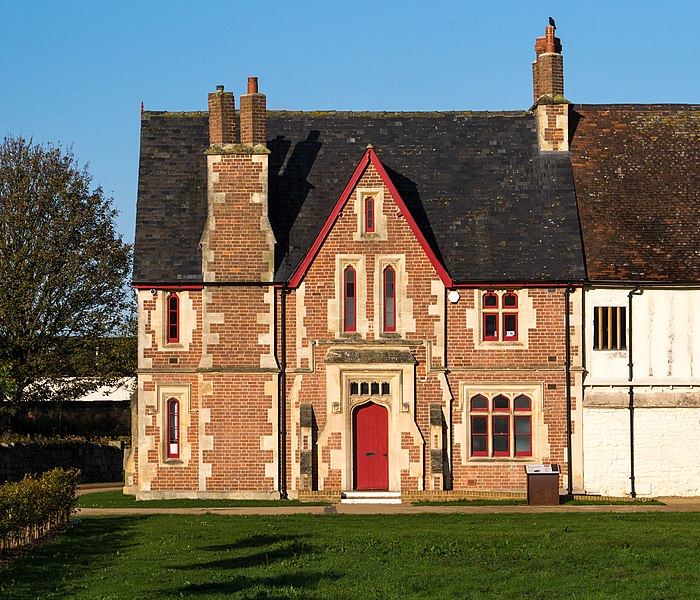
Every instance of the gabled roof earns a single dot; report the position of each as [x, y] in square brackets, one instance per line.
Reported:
[369, 157]
[637, 174]
[489, 205]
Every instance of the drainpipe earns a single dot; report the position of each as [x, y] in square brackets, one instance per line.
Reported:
[569, 450]
[637, 291]
[282, 406]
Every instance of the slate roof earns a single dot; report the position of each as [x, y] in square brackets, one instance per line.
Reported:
[172, 198]
[492, 207]
[637, 175]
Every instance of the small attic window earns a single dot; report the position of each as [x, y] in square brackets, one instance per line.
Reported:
[369, 214]
[368, 208]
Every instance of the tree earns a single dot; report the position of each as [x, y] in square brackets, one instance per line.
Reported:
[63, 274]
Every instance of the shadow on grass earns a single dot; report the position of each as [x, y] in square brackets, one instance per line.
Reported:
[250, 572]
[288, 585]
[77, 553]
[255, 541]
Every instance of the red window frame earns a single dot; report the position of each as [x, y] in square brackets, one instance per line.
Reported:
[518, 407]
[495, 425]
[350, 299]
[490, 301]
[173, 318]
[500, 432]
[173, 428]
[493, 328]
[479, 404]
[506, 337]
[369, 214]
[509, 296]
[498, 312]
[389, 300]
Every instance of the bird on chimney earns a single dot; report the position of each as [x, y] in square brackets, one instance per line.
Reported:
[552, 23]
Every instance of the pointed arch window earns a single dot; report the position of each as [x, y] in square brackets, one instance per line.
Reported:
[173, 412]
[389, 320]
[369, 214]
[479, 426]
[349, 299]
[173, 318]
[500, 425]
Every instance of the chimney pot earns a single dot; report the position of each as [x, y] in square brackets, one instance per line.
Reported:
[548, 67]
[222, 117]
[253, 115]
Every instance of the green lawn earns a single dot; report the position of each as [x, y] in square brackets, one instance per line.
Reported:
[117, 499]
[536, 556]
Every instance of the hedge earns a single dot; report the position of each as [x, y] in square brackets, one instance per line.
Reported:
[34, 506]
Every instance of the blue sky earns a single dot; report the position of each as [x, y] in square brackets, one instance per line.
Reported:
[75, 72]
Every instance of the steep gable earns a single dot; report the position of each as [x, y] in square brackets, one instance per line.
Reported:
[370, 159]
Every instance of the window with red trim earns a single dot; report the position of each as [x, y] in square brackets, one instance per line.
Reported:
[173, 412]
[349, 299]
[500, 426]
[479, 426]
[389, 299]
[499, 312]
[173, 318]
[369, 214]
[523, 426]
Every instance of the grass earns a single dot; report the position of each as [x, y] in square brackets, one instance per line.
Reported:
[116, 499]
[514, 502]
[496, 556]
[471, 502]
[599, 502]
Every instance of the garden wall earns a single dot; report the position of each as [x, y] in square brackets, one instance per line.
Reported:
[97, 462]
[96, 418]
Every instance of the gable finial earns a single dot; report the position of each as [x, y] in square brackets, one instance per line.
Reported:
[370, 147]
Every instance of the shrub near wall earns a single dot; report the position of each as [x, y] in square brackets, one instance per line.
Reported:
[31, 508]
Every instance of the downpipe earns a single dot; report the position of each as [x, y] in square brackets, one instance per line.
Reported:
[567, 363]
[637, 291]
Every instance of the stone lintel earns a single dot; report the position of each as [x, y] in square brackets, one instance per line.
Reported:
[378, 356]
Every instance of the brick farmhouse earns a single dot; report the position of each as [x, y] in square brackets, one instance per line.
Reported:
[418, 303]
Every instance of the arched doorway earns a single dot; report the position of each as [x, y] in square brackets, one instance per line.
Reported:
[370, 426]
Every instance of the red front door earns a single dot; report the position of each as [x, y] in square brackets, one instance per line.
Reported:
[371, 437]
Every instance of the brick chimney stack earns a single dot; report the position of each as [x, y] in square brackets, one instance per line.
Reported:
[548, 67]
[222, 117]
[253, 115]
[551, 108]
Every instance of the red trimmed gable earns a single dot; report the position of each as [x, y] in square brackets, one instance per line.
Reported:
[369, 157]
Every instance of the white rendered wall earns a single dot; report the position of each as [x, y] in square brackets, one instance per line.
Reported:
[666, 385]
[666, 345]
[667, 451]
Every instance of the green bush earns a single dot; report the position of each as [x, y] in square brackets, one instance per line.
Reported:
[34, 506]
